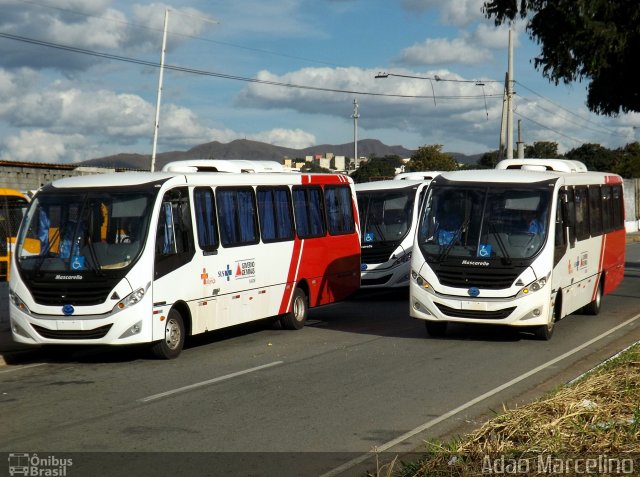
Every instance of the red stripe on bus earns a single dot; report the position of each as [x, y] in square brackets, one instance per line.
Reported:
[291, 276]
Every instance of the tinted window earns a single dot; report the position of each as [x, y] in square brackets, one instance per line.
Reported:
[339, 210]
[595, 211]
[307, 205]
[274, 210]
[205, 218]
[582, 213]
[237, 216]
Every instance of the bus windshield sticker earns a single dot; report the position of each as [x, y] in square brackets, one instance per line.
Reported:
[484, 250]
[77, 262]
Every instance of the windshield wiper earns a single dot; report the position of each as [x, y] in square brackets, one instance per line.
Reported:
[501, 245]
[94, 257]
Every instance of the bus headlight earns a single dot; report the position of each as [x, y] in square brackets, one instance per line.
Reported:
[422, 283]
[17, 302]
[129, 300]
[403, 259]
[533, 286]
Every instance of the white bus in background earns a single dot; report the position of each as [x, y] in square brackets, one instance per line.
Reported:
[388, 216]
[224, 165]
[522, 245]
[416, 176]
[153, 257]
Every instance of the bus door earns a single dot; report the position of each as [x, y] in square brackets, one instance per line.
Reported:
[176, 274]
[565, 278]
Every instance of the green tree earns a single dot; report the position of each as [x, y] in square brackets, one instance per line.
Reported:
[594, 156]
[628, 163]
[431, 158]
[542, 150]
[489, 160]
[593, 40]
[376, 168]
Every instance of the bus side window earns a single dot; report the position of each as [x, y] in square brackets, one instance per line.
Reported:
[204, 206]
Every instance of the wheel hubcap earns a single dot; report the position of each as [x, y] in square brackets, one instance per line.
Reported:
[172, 334]
[298, 309]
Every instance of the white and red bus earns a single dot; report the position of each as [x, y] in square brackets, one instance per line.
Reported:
[523, 245]
[153, 257]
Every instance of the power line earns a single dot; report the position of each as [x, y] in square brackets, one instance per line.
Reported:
[610, 131]
[577, 141]
[153, 64]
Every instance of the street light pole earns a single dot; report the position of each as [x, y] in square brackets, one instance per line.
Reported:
[156, 125]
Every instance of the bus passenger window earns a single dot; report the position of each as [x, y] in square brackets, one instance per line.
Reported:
[339, 210]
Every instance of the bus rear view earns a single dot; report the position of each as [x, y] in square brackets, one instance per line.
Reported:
[517, 247]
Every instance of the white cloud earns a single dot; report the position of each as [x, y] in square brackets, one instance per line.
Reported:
[41, 146]
[458, 12]
[293, 138]
[434, 51]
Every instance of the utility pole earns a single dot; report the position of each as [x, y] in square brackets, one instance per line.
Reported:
[156, 125]
[510, 98]
[355, 117]
[503, 121]
[520, 143]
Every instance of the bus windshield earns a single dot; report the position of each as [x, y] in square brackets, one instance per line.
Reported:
[484, 221]
[385, 215]
[79, 231]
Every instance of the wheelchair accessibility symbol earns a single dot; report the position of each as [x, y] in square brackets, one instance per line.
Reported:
[77, 263]
[484, 250]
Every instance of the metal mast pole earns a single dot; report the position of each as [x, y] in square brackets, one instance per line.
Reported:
[355, 132]
[157, 121]
[510, 98]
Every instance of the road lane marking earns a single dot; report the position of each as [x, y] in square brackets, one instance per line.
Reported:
[207, 382]
[388, 445]
[20, 368]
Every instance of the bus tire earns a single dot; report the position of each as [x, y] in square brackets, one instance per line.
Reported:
[436, 329]
[593, 308]
[174, 334]
[545, 332]
[297, 317]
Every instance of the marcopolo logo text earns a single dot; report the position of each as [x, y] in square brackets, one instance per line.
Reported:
[68, 277]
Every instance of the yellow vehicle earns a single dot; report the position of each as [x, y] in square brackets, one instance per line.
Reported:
[13, 205]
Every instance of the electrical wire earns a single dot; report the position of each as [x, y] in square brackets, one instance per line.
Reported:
[181, 69]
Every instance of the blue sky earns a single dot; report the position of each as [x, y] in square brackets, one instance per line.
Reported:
[62, 106]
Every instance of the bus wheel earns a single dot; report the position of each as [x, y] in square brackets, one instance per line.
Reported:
[593, 308]
[296, 318]
[545, 332]
[436, 329]
[171, 346]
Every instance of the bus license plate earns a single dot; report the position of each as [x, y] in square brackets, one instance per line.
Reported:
[474, 305]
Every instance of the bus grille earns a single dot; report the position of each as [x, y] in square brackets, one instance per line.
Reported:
[376, 281]
[475, 314]
[93, 334]
[378, 254]
[81, 293]
[492, 278]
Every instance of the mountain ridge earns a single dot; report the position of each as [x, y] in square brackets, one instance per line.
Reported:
[255, 150]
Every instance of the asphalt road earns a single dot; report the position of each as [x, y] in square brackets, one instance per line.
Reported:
[360, 376]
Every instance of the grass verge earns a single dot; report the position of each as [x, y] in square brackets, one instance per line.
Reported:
[588, 427]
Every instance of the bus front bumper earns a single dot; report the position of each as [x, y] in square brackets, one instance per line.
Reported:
[531, 310]
[126, 327]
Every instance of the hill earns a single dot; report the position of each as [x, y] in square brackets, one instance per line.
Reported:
[254, 150]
